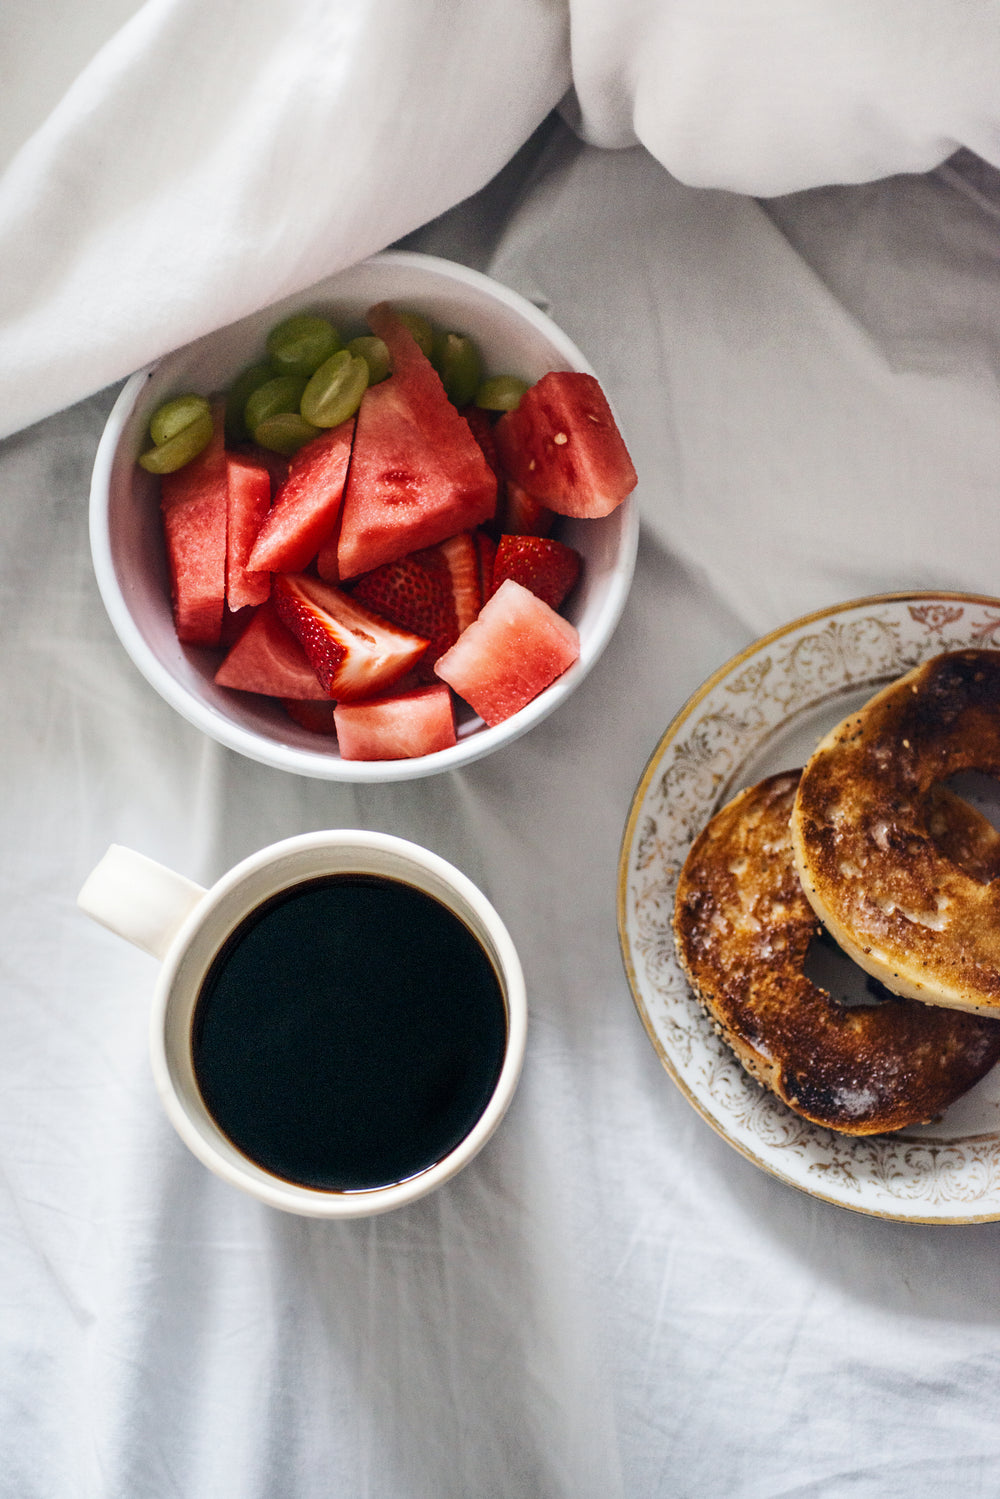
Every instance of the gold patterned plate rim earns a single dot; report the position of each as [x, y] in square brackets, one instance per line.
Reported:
[761, 712]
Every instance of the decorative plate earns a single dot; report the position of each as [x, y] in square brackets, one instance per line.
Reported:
[763, 712]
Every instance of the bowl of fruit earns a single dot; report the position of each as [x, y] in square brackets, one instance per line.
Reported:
[373, 532]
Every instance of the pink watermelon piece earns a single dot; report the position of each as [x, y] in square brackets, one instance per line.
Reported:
[515, 649]
[267, 658]
[417, 474]
[307, 506]
[562, 445]
[193, 506]
[396, 726]
[249, 486]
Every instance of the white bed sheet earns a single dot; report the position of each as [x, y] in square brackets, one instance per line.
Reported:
[610, 1301]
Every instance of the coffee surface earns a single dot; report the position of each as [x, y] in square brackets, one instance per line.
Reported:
[349, 1033]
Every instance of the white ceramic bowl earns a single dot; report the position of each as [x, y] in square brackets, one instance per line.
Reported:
[127, 546]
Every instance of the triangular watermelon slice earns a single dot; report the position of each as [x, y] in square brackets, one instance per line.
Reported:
[307, 506]
[417, 474]
[248, 504]
[268, 658]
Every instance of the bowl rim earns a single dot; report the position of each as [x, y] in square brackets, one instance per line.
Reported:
[320, 764]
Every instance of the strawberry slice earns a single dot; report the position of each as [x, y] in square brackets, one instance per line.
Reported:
[549, 568]
[353, 651]
[396, 726]
[461, 558]
[307, 506]
[249, 503]
[416, 594]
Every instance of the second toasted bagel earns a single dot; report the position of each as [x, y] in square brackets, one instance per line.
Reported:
[917, 910]
[743, 929]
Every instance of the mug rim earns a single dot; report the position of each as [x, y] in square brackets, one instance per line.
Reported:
[204, 1137]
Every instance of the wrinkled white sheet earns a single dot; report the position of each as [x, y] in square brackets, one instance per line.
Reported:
[174, 164]
[610, 1301]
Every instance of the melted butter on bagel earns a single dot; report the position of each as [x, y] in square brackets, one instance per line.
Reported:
[903, 875]
[743, 928]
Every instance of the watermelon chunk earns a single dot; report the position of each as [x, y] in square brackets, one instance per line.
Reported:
[249, 487]
[511, 653]
[307, 506]
[193, 505]
[563, 446]
[268, 658]
[352, 651]
[417, 474]
[397, 726]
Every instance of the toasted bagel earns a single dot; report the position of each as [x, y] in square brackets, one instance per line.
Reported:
[743, 928]
[917, 910]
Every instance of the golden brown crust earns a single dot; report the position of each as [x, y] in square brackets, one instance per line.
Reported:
[743, 928]
[918, 910]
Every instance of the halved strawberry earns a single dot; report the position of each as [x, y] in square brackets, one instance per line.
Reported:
[520, 514]
[311, 714]
[549, 568]
[415, 592]
[353, 651]
[249, 503]
[506, 657]
[396, 726]
[307, 506]
[268, 658]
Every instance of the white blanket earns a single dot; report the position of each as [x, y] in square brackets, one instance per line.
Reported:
[174, 165]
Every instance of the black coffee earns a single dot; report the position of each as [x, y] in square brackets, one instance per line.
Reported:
[349, 1033]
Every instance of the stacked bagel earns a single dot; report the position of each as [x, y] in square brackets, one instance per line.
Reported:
[868, 847]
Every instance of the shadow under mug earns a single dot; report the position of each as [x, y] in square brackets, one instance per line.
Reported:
[192, 930]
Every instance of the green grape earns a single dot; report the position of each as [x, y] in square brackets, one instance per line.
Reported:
[375, 354]
[237, 396]
[421, 328]
[299, 345]
[457, 361]
[172, 417]
[284, 432]
[169, 456]
[334, 392]
[280, 393]
[501, 393]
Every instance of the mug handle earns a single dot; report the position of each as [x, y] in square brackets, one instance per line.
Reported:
[138, 899]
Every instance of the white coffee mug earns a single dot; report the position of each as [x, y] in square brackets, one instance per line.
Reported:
[191, 929]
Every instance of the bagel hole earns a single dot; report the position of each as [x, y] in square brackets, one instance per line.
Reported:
[829, 968]
[972, 842]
